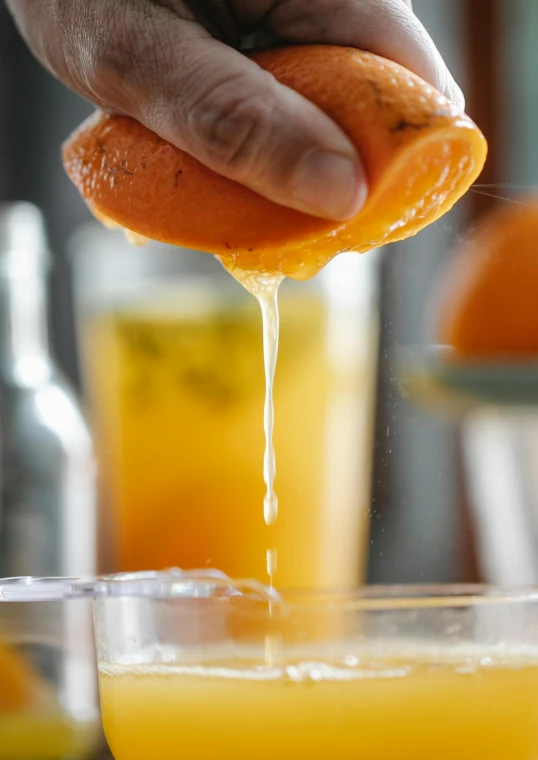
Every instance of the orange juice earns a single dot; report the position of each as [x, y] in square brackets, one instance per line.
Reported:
[176, 380]
[429, 706]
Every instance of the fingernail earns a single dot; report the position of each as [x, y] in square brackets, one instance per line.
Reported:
[329, 185]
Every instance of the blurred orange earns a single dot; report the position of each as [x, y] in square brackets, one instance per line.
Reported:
[489, 299]
[20, 685]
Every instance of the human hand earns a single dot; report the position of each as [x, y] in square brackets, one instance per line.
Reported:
[174, 65]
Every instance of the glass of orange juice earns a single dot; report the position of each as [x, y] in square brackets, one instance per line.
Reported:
[172, 362]
[195, 665]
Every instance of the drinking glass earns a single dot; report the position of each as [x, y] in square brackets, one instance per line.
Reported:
[172, 363]
[195, 665]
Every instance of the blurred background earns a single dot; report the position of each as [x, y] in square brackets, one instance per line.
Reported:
[164, 352]
[421, 529]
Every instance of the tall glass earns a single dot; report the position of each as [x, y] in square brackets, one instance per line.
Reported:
[173, 365]
[193, 665]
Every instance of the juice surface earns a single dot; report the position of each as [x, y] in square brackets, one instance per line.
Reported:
[177, 390]
[464, 708]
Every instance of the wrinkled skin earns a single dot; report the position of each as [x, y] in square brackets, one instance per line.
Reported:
[176, 66]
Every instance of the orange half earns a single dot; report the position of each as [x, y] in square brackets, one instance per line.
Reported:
[421, 154]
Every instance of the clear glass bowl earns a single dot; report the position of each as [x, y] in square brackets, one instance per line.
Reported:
[195, 665]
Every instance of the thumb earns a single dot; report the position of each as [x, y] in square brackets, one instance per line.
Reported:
[238, 120]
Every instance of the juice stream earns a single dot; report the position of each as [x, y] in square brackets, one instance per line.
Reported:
[265, 289]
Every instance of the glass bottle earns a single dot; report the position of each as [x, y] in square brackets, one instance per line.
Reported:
[48, 704]
[47, 496]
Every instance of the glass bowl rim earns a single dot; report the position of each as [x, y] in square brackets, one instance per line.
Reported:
[207, 584]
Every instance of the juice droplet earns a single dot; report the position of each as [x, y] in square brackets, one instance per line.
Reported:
[135, 239]
[270, 502]
[273, 641]
[272, 557]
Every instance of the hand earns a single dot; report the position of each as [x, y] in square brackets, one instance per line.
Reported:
[174, 66]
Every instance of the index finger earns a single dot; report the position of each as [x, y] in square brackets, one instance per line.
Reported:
[388, 28]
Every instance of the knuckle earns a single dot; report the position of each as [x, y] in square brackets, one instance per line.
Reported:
[112, 52]
[124, 53]
[47, 27]
[234, 126]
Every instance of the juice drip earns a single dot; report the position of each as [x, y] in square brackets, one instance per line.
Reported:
[272, 557]
[267, 296]
[273, 642]
[265, 289]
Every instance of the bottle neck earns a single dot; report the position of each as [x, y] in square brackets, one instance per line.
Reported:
[24, 346]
